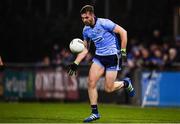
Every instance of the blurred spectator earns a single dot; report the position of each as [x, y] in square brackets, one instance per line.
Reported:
[172, 57]
[45, 62]
[56, 58]
[157, 58]
[134, 57]
[165, 47]
[145, 57]
[157, 38]
[66, 56]
[153, 47]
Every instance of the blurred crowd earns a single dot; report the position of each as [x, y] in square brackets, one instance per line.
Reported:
[155, 52]
[153, 55]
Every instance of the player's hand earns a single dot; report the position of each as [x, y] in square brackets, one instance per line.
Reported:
[124, 57]
[72, 69]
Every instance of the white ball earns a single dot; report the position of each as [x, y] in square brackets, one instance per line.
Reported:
[76, 45]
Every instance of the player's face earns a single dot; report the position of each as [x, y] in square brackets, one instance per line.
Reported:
[88, 18]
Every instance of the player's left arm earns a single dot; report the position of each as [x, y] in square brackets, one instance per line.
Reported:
[113, 27]
[123, 35]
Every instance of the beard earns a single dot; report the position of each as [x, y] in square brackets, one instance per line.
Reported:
[87, 23]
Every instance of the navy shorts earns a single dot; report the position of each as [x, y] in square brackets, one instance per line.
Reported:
[110, 62]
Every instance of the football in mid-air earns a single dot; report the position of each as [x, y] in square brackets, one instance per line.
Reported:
[76, 45]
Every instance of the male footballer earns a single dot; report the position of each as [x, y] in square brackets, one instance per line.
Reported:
[108, 57]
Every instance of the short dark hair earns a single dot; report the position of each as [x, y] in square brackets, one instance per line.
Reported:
[87, 8]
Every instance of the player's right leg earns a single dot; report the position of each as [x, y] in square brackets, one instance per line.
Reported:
[96, 71]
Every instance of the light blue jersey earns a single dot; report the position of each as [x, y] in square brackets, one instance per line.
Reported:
[103, 37]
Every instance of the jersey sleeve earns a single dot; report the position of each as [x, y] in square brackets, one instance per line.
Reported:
[108, 24]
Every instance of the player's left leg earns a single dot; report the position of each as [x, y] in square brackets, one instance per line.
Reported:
[110, 81]
[113, 65]
[112, 85]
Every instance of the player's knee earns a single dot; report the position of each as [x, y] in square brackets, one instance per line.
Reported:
[108, 89]
[91, 84]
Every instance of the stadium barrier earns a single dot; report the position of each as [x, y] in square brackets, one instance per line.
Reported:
[18, 84]
[40, 84]
[51, 83]
[153, 88]
[161, 88]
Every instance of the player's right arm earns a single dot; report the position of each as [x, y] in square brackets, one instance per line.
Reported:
[82, 55]
[74, 66]
[72, 69]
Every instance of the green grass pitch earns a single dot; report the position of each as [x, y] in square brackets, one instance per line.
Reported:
[76, 112]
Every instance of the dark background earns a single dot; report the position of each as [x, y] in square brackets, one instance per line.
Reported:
[29, 28]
